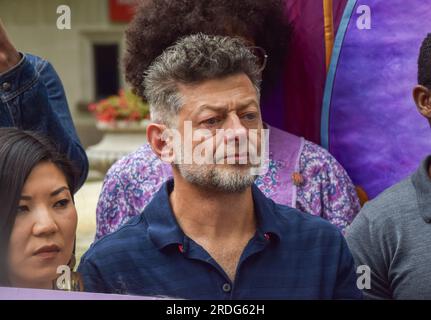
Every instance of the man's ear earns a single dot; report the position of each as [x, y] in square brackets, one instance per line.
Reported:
[155, 138]
[422, 97]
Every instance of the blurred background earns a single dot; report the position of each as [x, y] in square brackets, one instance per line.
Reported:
[86, 56]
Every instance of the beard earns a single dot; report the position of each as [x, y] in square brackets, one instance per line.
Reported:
[231, 179]
[224, 177]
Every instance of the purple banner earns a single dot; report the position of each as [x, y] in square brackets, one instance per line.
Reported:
[294, 104]
[373, 127]
[35, 294]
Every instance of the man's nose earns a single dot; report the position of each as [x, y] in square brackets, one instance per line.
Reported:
[45, 223]
[235, 129]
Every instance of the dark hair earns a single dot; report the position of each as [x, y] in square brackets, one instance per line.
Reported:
[424, 63]
[158, 24]
[20, 152]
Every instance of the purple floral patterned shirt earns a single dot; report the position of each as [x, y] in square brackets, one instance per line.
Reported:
[323, 188]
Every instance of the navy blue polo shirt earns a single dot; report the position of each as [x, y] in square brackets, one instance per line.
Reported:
[293, 255]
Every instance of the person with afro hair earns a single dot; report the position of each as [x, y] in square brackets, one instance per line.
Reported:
[158, 24]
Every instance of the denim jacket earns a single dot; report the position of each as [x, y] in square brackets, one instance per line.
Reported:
[32, 98]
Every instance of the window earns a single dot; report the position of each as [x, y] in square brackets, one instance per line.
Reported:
[106, 70]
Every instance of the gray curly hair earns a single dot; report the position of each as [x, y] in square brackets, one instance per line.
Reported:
[190, 60]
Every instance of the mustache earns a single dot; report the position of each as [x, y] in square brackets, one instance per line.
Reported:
[247, 150]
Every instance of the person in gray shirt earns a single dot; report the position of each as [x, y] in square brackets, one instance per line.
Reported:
[392, 233]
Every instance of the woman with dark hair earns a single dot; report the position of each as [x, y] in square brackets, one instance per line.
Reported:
[38, 218]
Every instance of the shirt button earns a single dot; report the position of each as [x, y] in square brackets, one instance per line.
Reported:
[6, 86]
[227, 287]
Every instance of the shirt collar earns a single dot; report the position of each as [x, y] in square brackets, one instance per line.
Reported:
[422, 184]
[265, 211]
[164, 230]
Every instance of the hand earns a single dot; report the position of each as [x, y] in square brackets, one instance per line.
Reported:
[9, 56]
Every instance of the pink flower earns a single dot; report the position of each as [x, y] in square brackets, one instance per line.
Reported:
[92, 107]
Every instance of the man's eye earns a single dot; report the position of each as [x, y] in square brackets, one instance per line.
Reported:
[250, 116]
[211, 121]
[62, 203]
[22, 209]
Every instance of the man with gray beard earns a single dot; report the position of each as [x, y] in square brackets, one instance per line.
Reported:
[210, 233]
[237, 148]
